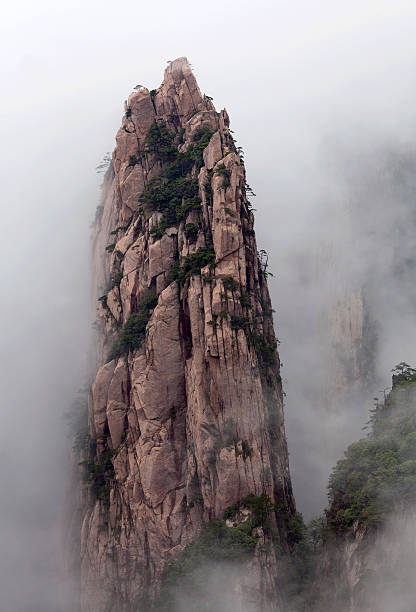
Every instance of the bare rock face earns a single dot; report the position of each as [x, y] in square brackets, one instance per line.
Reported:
[186, 411]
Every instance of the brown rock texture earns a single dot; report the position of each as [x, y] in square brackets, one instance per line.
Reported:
[189, 420]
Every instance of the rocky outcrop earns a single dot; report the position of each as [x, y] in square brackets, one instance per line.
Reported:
[186, 410]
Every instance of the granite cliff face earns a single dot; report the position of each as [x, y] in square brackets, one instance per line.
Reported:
[186, 410]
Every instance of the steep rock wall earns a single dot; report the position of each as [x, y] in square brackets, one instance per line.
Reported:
[189, 421]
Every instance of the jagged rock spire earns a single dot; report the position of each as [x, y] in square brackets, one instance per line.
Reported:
[186, 411]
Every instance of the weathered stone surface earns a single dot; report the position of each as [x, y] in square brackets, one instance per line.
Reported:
[213, 152]
[161, 255]
[118, 402]
[206, 373]
[100, 397]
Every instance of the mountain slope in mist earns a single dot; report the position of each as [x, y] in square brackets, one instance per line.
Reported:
[361, 555]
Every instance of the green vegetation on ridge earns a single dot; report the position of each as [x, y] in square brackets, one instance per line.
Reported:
[379, 471]
[173, 192]
[376, 477]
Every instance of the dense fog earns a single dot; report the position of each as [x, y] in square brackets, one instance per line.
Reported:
[321, 98]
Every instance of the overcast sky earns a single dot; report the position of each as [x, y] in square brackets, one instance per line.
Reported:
[300, 79]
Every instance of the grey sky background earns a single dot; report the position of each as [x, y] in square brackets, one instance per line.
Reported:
[312, 89]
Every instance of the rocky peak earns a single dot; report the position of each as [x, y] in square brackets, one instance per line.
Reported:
[186, 411]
